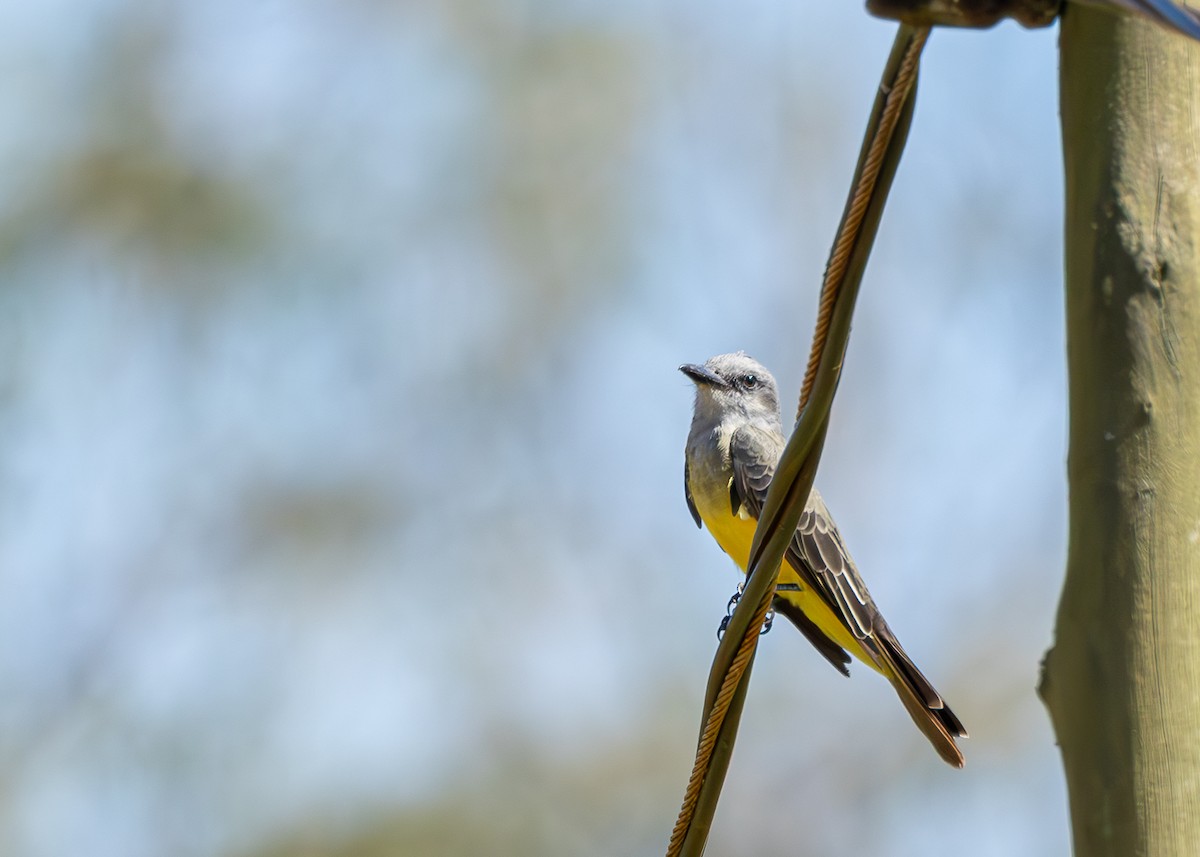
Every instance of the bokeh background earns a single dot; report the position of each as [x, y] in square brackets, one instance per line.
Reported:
[341, 508]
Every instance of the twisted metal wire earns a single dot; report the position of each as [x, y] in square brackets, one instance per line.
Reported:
[835, 273]
[864, 189]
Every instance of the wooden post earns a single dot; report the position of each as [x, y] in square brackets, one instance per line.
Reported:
[1122, 681]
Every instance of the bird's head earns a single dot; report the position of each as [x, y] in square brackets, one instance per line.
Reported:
[734, 385]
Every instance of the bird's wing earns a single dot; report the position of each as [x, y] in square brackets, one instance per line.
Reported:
[820, 558]
[823, 564]
[687, 493]
[816, 552]
[754, 452]
[819, 548]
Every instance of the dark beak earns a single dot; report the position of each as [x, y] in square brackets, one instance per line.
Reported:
[703, 375]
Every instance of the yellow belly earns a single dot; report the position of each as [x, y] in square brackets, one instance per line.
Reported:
[734, 534]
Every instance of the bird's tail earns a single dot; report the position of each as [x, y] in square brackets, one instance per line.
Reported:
[923, 703]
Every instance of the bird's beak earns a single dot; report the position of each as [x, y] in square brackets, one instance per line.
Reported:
[703, 375]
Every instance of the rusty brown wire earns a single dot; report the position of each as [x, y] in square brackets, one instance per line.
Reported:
[856, 210]
[712, 727]
[848, 235]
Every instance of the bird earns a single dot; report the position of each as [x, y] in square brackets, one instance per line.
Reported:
[733, 448]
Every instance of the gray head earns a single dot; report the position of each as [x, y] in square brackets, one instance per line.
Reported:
[734, 385]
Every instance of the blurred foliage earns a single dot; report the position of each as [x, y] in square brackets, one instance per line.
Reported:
[340, 435]
[523, 801]
[129, 185]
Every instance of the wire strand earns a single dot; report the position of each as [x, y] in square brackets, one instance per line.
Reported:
[849, 232]
[864, 189]
[712, 727]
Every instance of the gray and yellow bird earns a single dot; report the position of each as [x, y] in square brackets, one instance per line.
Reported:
[733, 447]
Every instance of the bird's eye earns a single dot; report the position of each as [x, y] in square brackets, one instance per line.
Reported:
[750, 381]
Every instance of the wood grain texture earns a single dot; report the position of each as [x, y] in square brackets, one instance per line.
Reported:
[1122, 682]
